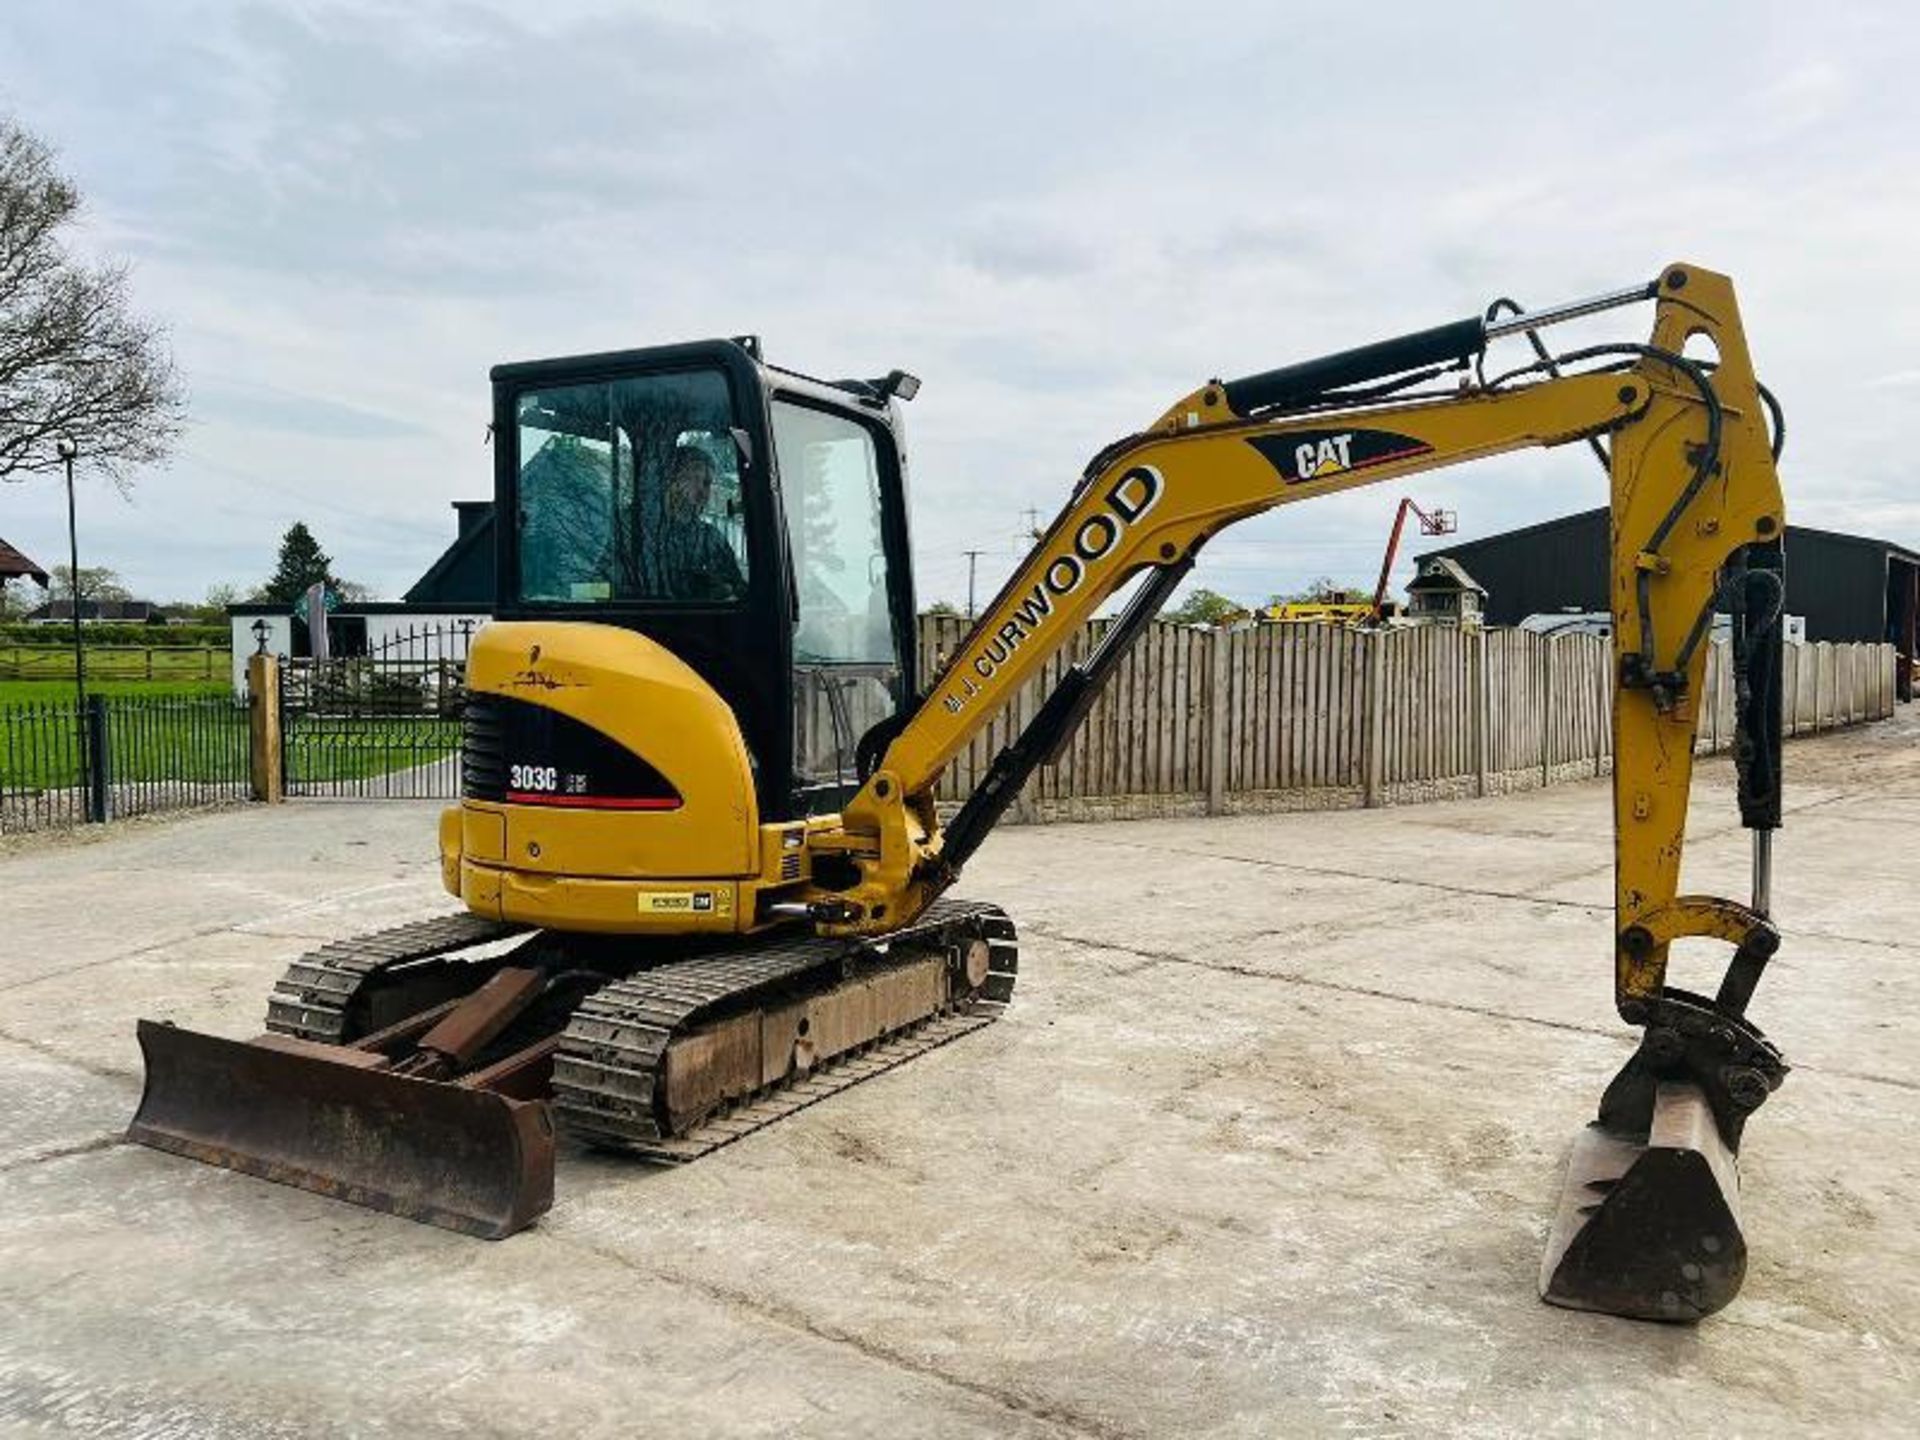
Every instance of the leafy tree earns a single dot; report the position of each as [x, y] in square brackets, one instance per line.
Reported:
[75, 360]
[819, 541]
[302, 564]
[97, 582]
[1204, 607]
[942, 607]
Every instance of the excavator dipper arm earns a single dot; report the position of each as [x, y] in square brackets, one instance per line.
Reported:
[1649, 1225]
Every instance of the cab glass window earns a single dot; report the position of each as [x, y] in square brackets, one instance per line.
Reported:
[629, 490]
[847, 672]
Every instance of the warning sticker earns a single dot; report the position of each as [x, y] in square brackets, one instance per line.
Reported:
[668, 902]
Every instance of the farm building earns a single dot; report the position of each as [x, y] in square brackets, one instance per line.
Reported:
[1849, 587]
[462, 577]
[440, 612]
[15, 566]
[1444, 593]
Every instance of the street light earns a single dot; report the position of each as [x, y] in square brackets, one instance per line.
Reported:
[69, 451]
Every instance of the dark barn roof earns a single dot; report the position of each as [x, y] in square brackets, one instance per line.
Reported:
[1443, 573]
[135, 612]
[14, 565]
[463, 575]
[1839, 582]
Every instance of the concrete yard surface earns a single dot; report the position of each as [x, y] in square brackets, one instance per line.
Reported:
[1266, 1145]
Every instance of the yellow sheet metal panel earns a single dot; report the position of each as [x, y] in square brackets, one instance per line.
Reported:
[639, 695]
[483, 833]
[616, 907]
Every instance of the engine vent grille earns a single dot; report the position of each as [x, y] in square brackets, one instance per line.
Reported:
[483, 751]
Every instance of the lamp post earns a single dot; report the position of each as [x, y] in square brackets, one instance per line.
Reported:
[69, 451]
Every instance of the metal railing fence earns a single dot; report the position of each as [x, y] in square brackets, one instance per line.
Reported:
[62, 764]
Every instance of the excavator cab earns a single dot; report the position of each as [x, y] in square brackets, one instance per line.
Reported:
[749, 520]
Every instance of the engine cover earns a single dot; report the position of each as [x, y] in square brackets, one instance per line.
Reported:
[599, 776]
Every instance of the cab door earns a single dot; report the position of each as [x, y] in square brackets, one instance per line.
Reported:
[844, 507]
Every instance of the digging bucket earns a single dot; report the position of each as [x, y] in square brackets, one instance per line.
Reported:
[1649, 1227]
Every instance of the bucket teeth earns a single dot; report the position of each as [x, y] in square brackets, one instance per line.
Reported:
[1649, 1227]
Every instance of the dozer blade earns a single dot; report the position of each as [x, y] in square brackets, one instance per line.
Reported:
[328, 1119]
[1649, 1230]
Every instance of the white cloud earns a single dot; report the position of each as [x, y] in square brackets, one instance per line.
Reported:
[1060, 215]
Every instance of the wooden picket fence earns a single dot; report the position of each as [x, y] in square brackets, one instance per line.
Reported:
[1308, 716]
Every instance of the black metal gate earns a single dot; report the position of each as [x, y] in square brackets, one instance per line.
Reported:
[383, 725]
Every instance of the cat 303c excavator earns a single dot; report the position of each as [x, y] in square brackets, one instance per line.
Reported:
[697, 847]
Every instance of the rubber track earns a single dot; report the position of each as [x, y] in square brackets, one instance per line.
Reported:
[605, 1074]
[312, 998]
[607, 1071]
[829, 1079]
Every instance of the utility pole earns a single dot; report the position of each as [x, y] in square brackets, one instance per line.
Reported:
[973, 561]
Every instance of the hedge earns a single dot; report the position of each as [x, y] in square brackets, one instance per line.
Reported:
[149, 636]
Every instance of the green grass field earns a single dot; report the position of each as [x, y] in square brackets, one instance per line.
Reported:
[178, 736]
[206, 740]
[60, 692]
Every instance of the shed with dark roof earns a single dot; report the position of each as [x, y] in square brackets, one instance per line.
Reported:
[463, 575]
[1849, 587]
[15, 566]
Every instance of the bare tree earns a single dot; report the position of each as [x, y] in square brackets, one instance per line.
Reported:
[75, 360]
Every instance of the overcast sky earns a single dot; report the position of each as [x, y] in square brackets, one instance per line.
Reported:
[1061, 216]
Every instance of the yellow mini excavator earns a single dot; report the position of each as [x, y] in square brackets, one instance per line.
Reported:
[699, 861]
